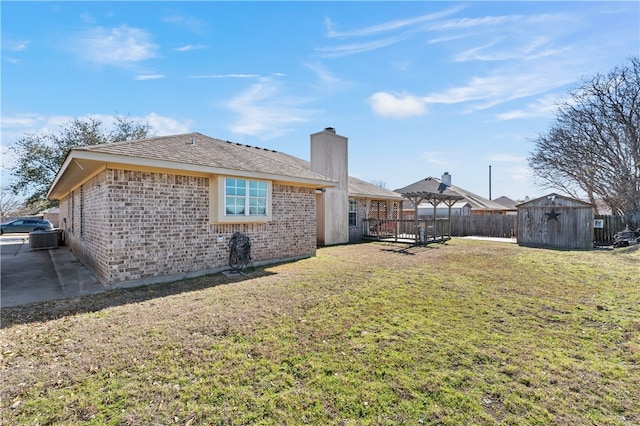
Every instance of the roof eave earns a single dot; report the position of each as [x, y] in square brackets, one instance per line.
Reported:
[117, 160]
[375, 196]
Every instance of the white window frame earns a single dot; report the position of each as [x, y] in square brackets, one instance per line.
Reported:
[218, 200]
[247, 195]
[353, 203]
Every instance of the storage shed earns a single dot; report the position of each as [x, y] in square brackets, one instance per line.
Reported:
[555, 221]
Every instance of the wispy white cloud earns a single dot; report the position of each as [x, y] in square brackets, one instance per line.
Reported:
[536, 55]
[466, 23]
[88, 18]
[142, 77]
[265, 111]
[391, 105]
[388, 26]
[520, 174]
[225, 76]
[506, 84]
[164, 125]
[439, 158]
[384, 34]
[544, 106]
[118, 46]
[189, 23]
[15, 45]
[18, 125]
[504, 48]
[20, 121]
[353, 48]
[328, 81]
[190, 47]
[478, 53]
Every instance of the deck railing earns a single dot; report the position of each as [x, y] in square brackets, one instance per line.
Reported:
[422, 231]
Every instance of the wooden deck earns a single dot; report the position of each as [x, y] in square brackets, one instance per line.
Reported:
[409, 231]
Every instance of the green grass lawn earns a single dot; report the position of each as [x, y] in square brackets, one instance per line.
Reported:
[463, 333]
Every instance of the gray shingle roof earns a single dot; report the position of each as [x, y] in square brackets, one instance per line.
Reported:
[361, 188]
[432, 184]
[429, 185]
[506, 202]
[198, 149]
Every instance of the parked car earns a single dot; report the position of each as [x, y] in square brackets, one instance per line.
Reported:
[25, 225]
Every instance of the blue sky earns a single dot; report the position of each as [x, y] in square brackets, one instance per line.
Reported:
[419, 88]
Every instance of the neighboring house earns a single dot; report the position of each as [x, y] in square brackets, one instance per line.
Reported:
[471, 204]
[508, 203]
[460, 208]
[556, 221]
[164, 208]
[52, 215]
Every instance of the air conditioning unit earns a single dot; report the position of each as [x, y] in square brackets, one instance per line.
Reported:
[43, 240]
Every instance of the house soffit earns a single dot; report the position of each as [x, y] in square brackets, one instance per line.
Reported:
[81, 165]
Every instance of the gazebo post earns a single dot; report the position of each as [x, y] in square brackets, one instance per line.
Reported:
[417, 201]
[449, 204]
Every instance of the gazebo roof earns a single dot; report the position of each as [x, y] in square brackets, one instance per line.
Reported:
[429, 189]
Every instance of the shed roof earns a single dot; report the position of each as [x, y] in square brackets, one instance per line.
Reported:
[552, 199]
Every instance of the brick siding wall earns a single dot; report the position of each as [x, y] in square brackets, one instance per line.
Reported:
[142, 225]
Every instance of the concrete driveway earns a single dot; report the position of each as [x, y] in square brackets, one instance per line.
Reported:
[29, 276]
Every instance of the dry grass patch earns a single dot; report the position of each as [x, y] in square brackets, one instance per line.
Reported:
[468, 332]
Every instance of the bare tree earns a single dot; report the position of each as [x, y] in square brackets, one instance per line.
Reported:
[593, 147]
[9, 202]
[380, 183]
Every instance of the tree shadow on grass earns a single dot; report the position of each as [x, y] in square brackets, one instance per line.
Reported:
[59, 308]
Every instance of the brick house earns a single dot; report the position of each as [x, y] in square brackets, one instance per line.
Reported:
[164, 208]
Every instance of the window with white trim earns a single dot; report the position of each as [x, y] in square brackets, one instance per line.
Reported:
[244, 197]
[353, 212]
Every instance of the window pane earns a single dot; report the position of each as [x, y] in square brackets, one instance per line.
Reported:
[257, 188]
[257, 206]
[245, 197]
[235, 187]
[353, 208]
[234, 206]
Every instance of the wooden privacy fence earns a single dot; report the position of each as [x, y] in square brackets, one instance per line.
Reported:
[497, 226]
[608, 226]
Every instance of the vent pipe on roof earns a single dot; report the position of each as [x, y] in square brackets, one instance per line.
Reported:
[446, 179]
[193, 141]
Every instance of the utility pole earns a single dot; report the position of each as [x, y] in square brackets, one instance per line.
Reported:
[489, 182]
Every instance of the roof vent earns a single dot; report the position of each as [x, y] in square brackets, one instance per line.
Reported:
[192, 142]
[330, 130]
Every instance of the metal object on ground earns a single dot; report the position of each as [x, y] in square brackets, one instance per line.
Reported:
[239, 252]
[626, 238]
[43, 240]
